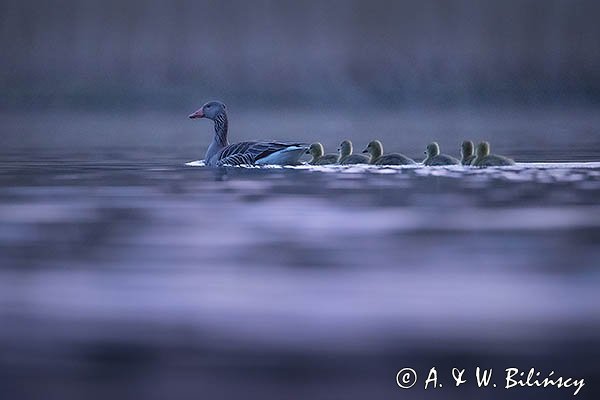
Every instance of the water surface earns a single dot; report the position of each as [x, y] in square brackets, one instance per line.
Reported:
[125, 272]
[133, 273]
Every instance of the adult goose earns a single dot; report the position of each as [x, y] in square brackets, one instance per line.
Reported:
[466, 151]
[220, 152]
[485, 159]
[435, 158]
[317, 151]
[346, 156]
[375, 149]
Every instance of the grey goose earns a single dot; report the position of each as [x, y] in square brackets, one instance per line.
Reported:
[221, 153]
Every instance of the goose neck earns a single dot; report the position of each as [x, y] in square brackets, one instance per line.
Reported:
[221, 127]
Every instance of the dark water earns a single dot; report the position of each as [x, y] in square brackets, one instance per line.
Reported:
[126, 273]
[144, 277]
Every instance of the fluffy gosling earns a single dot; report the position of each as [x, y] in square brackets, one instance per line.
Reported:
[435, 158]
[346, 156]
[317, 151]
[467, 152]
[485, 159]
[375, 149]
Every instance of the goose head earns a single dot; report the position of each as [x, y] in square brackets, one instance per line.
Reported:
[433, 149]
[483, 149]
[210, 110]
[316, 150]
[345, 148]
[466, 149]
[374, 148]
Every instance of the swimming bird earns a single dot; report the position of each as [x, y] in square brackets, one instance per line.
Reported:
[435, 158]
[316, 150]
[485, 159]
[466, 151]
[220, 152]
[346, 156]
[375, 149]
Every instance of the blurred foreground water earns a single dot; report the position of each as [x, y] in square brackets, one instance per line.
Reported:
[125, 273]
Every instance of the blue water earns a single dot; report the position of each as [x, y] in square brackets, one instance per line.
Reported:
[125, 272]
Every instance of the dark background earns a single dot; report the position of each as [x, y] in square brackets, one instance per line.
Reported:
[369, 54]
[124, 75]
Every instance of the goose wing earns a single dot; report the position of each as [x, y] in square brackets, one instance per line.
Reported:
[250, 152]
[233, 149]
[264, 149]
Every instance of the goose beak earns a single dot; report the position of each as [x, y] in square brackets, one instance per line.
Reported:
[197, 114]
[365, 151]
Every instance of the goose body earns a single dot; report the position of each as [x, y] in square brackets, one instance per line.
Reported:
[393, 159]
[466, 152]
[375, 149]
[317, 151]
[493, 160]
[346, 156]
[221, 153]
[434, 158]
[327, 159]
[485, 159]
[355, 159]
[441, 159]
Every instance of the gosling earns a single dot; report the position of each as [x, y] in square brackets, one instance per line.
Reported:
[485, 159]
[435, 158]
[318, 157]
[466, 151]
[375, 149]
[346, 156]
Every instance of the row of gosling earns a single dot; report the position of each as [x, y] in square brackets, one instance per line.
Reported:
[374, 155]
